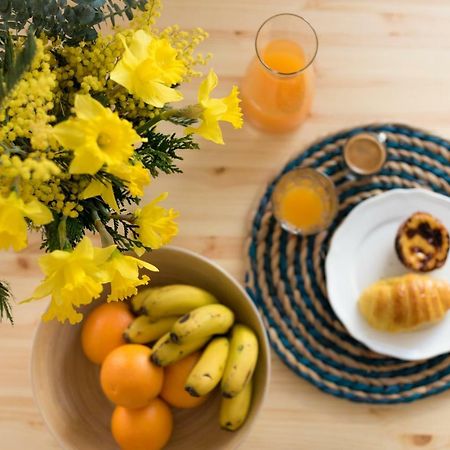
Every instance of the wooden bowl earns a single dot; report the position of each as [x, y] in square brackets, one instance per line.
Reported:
[66, 384]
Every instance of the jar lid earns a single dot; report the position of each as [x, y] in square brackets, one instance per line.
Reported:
[365, 153]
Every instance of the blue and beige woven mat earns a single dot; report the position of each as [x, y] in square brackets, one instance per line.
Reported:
[286, 277]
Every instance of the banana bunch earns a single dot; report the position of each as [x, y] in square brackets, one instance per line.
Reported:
[191, 332]
[160, 308]
[237, 380]
[183, 319]
[230, 363]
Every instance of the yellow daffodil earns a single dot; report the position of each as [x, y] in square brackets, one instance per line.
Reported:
[135, 176]
[13, 226]
[215, 109]
[123, 272]
[102, 189]
[72, 279]
[97, 136]
[156, 224]
[148, 69]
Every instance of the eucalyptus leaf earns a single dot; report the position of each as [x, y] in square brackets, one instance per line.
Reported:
[93, 3]
[85, 14]
[71, 21]
[129, 14]
[5, 6]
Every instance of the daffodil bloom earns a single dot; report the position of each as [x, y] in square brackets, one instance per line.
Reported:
[13, 226]
[72, 278]
[123, 272]
[102, 189]
[156, 224]
[148, 69]
[135, 176]
[96, 135]
[216, 109]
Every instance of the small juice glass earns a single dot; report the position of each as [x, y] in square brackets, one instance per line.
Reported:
[304, 201]
[278, 88]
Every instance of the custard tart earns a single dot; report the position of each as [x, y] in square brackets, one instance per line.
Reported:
[422, 242]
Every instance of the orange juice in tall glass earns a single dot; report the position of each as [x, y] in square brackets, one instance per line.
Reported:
[278, 88]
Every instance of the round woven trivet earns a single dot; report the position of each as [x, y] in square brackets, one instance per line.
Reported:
[286, 278]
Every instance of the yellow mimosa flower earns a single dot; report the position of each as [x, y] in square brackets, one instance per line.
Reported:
[123, 271]
[135, 176]
[156, 224]
[72, 279]
[97, 188]
[13, 227]
[97, 136]
[148, 69]
[226, 109]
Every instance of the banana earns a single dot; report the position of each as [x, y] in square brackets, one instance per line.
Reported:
[137, 302]
[175, 300]
[166, 352]
[144, 330]
[208, 371]
[241, 360]
[234, 411]
[202, 322]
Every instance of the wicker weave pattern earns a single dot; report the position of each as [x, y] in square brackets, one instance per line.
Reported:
[286, 279]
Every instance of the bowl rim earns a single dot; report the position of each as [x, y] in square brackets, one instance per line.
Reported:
[223, 272]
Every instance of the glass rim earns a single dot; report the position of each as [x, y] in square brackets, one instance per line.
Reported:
[276, 72]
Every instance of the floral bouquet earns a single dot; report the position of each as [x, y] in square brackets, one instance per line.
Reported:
[79, 139]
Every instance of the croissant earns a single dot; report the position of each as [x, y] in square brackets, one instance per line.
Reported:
[405, 303]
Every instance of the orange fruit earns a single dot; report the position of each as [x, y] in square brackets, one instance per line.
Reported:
[147, 428]
[175, 377]
[103, 330]
[129, 378]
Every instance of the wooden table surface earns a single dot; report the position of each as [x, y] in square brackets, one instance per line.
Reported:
[384, 60]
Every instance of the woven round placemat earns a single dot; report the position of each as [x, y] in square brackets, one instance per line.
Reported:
[286, 278]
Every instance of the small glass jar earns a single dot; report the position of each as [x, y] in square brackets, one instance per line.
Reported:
[304, 201]
[365, 153]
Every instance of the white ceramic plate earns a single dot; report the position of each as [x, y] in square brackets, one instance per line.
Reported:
[362, 251]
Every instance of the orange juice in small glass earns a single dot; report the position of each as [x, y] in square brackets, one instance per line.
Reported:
[304, 201]
[278, 88]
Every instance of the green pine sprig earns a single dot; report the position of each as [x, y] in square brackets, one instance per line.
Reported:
[5, 302]
[160, 151]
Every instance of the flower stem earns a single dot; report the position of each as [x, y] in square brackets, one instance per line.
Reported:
[189, 112]
[62, 234]
[149, 124]
[106, 238]
[124, 217]
[16, 185]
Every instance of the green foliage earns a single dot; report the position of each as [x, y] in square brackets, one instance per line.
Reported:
[75, 230]
[5, 303]
[122, 231]
[160, 151]
[14, 63]
[71, 21]
[124, 234]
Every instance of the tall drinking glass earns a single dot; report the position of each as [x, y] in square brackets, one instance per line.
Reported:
[278, 88]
